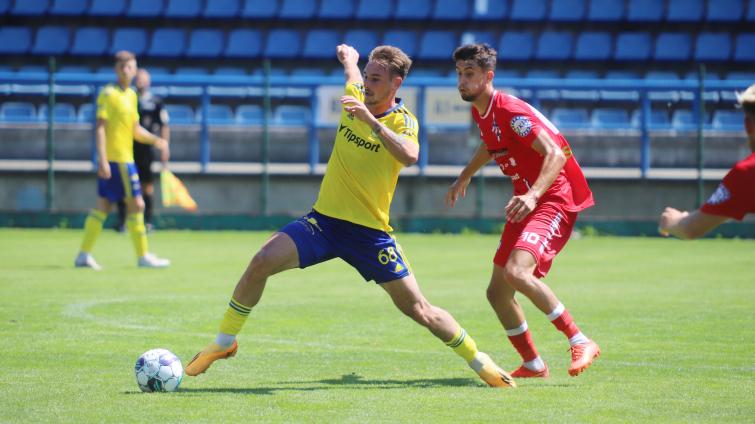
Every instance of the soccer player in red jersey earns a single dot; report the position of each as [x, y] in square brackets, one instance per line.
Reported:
[734, 198]
[549, 191]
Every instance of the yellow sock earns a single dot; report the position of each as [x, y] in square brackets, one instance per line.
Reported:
[135, 225]
[464, 345]
[92, 229]
[234, 318]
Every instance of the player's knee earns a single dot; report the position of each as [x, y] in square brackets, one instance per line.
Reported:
[421, 312]
[516, 277]
[262, 262]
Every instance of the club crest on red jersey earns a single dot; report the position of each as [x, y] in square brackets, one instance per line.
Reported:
[719, 196]
[521, 125]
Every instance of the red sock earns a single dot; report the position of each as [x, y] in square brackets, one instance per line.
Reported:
[524, 345]
[565, 324]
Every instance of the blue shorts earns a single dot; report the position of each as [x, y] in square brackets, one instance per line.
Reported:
[123, 182]
[374, 253]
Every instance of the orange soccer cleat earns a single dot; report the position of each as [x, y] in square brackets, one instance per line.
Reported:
[205, 358]
[582, 356]
[524, 372]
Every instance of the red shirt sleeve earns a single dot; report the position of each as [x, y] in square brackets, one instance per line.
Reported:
[731, 198]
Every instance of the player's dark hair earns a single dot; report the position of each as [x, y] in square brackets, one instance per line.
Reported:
[397, 62]
[484, 55]
[123, 56]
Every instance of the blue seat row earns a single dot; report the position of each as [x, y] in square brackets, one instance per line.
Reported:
[514, 10]
[432, 44]
[615, 119]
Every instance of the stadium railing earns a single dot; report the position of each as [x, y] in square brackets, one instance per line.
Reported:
[309, 88]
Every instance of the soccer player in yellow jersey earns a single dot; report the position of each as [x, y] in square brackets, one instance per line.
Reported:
[376, 137]
[117, 127]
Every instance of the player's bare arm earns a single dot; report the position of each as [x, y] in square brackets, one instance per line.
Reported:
[554, 159]
[686, 225]
[459, 187]
[143, 136]
[404, 150]
[103, 166]
[165, 153]
[349, 57]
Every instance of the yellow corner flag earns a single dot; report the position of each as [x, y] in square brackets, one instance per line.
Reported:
[174, 192]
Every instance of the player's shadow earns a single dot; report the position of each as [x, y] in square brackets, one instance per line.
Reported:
[351, 381]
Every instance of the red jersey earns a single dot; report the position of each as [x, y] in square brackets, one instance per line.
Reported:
[735, 196]
[508, 128]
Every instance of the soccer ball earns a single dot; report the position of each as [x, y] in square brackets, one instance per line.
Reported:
[158, 370]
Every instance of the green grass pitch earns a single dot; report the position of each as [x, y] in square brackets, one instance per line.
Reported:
[674, 320]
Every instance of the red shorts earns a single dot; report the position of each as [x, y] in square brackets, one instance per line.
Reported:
[543, 233]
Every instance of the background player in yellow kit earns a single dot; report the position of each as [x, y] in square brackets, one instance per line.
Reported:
[117, 128]
[376, 137]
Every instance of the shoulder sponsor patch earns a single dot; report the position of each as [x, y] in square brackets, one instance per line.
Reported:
[719, 196]
[521, 125]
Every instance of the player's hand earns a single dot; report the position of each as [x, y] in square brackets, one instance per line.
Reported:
[458, 188]
[347, 54]
[352, 105]
[103, 170]
[670, 218]
[520, 206]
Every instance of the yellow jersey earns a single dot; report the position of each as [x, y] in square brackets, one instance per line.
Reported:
[361, 176]
[119, 108]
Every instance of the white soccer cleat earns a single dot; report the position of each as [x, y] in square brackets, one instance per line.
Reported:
[86, 260]
[149, 260]
[491, 373]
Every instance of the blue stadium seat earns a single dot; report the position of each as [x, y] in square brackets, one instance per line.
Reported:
[244, 43]
[685, 10]
[86, 113]
[73, 69]
[249, 114]
[516, 45]
[528, 10]
[29, 7]
[683, 120]
[565, 118]
[4, 6]
[230, 70]
[30, 69]
[362, 40]
[374, 10]
[728, 120]
[437, 45]
[489, 10]
[291, 115]
[469, 37]
[183, 9]
[543, 73]
[68, 7]
[63, 113]
[750, 16]
[179, 114]
[403, 39]
[554, 45]
[15, 40]
[452, 10]
[663, 96]
[320, 44]
[144, 8]
[282, 43]
[90, 41]
[633, 46]
[713, 46]
[167, 42]
[567, 11]
[724, 10]
[51, 40]
[592, 45]
[741, 76]
[580, 95]
[260, 9]
[744, 49]
[131, 39]
[297, 9]
[218, 115]
[627, 75]
[336, 9]
[609, 118]
[107, 7]
[189, 70]
[645, 11]
[308, 72]
[673, 46]
[205, 43]
[17, 112]
[659, 119]
[605, 11]
[224, 9]
[415, 9]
